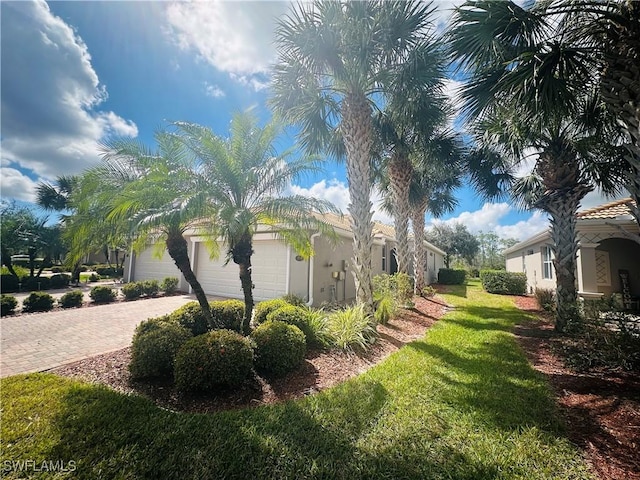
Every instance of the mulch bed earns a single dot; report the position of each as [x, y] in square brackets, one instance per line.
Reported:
[601, 407]
[321, 369]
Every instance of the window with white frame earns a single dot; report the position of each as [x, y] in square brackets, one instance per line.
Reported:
[384, 258]
[547, 263]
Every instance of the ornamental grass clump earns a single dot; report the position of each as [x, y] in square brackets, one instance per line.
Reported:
[218, 359]
[280, 347]
[351, 329]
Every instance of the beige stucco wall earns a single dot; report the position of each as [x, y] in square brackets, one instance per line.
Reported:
[299, 275]
[531, 265]
[329, 258]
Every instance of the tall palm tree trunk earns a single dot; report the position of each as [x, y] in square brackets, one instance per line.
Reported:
[178, 251]
[399, 171]
[563, 206]
[418, 212]
[242, 253]
[357, 132]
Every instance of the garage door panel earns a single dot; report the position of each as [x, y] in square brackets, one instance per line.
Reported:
[268, 272]
[149, 267]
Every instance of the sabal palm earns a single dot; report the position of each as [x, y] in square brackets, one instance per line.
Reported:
[246, 180]
[407, 124]
[437, 173]
[527, 91]
[156, 194]
[337, 61]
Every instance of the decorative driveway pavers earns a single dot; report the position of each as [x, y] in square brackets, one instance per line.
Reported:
[41, 341]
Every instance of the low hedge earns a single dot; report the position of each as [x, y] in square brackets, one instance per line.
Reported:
[9, 283]
[502, 282]
[449, 276]
[59, 280]
[35, 283]
[108, 271]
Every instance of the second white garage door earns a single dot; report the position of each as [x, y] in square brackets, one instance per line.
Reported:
[269, 271]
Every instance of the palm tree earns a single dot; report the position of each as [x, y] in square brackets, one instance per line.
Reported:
[56, 197]
[527, 92]
[246, 178]
[338, 61]
[155, 194]
[437, 173]
[408, 121]
[610, 31]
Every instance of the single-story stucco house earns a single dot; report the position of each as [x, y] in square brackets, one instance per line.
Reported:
[608, 260]
[277, 269]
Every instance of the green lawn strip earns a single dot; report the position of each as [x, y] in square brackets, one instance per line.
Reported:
[462, 403]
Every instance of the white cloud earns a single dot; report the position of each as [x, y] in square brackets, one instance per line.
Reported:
[49, 93]
[337, 192]
[234, 37]
[213, 90]
[490, 219]
[16, 185]
[536, 223]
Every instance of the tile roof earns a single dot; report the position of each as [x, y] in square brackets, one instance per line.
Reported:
[343, 222]
[609, 210]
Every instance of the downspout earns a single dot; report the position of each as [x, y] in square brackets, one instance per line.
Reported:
[288, 277]
[311, 264]
[131, 260]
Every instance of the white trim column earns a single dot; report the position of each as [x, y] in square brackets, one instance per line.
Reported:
[587, 277]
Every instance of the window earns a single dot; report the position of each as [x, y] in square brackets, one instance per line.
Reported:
[384, 258]
[547, 263]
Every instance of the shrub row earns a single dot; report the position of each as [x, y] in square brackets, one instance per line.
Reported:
[449, 276]
[502, 282]
[10, 283]
[108, 270]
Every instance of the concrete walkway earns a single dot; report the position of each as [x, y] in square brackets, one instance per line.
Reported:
[41, 341]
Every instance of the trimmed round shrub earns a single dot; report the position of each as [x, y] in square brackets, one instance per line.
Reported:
[152, 324]
[220, 358]
[150, 288]
[102, 294]
[169, 285]
[132, 290]
[8, 304]
[9, 283]
[35, 283]
[280, 347]
[153, 352]
[190, 316]
[37, 302]
[94, 277]
[263, 309]
[72, 299]
[297, 316]
[59, 280]
[229, 313]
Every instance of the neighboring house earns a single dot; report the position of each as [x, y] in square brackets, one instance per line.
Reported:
[608, 260]
[278, 270]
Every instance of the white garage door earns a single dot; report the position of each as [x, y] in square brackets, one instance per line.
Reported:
[150, 267]
[269, 271]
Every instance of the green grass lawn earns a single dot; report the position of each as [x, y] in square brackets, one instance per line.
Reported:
[462, 403]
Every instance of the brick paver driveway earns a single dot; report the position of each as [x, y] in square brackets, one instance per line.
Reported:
[36, 342]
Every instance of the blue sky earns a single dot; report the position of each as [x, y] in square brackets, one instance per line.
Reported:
[74, 73]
